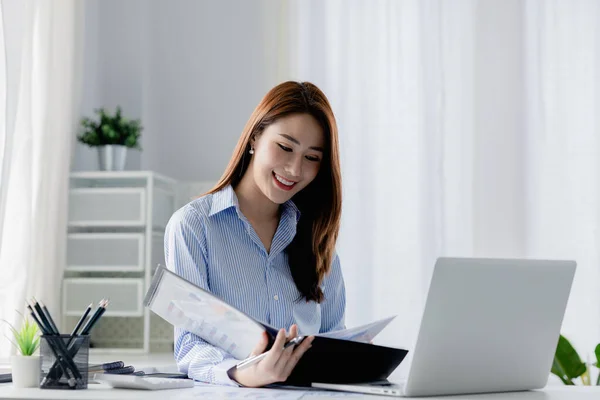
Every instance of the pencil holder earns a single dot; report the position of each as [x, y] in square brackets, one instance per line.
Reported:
[64, 361]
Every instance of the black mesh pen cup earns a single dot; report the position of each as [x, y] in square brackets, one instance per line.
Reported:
[64, 361]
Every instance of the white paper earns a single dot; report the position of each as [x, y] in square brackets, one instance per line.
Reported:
[225, 392]
[294, 393]
[189, 307]
[364, 333]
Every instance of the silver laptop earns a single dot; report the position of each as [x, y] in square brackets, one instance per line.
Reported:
[489, 325]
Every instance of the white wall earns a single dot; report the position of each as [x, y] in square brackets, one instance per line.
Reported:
[192, 70]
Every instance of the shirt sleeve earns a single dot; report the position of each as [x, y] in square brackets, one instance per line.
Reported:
[333, 308]
[185, 254]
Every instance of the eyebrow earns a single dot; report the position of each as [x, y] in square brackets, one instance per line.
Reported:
[294, 140]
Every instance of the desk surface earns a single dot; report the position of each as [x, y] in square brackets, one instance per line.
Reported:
[101, 392]
[165, 362]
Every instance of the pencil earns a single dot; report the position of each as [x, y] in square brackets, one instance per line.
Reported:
[49, 317]
[60, 345]
[90, 323]
[80, 322]
[43, 327]
[59, 360]
[72, 346]
[99, 312]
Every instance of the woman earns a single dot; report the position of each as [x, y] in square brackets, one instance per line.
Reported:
[263, 239]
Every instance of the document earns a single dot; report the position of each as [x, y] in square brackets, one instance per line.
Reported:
[363, 334]
[196, 310]
[225, 392]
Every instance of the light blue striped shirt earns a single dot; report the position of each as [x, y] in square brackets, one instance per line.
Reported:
[211, 243]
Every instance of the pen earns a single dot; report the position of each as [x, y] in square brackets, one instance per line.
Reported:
[253, 360]
[107, 366]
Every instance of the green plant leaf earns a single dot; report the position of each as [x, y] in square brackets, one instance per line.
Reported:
[558, 370]
[597, 364]
[110, 130]
[567, 364]
[28, 339]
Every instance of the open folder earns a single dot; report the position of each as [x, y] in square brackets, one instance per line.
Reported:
[335, 357]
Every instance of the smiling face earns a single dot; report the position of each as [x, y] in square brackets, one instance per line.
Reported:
[287, 156]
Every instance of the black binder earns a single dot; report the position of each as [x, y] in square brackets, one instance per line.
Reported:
[329, 360]
[343, 361]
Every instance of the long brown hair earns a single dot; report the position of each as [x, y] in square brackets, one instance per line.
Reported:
[310, 253]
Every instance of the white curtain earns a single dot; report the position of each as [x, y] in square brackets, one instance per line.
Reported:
[430, 167]
[38, 95]
[562, 50]
[399, 75]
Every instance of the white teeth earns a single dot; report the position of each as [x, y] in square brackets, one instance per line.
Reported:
[286, 183]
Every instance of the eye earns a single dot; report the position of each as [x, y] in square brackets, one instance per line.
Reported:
[284, 148]
[313, 158]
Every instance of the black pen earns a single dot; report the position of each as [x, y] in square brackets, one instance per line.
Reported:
[107, 366]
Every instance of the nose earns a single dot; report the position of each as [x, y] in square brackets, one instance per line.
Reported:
[294, 167]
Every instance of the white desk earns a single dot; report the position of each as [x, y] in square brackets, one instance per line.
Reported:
[165, 362]
[101, 392]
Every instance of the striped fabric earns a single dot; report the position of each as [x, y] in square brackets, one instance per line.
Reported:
[212, 244]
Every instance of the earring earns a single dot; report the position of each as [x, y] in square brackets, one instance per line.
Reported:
[251, 150]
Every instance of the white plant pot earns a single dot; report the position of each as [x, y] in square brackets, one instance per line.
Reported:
[25, 371]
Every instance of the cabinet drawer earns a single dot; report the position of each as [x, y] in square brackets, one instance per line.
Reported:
[107, 207]
[126, 296]
[105, 252]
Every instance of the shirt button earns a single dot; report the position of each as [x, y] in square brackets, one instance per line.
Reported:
[276, 297]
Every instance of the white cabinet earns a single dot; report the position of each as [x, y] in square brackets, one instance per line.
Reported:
[115, 241]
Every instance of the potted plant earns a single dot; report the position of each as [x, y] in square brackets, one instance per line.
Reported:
[567, 364]
[26, 365]
[112, 135]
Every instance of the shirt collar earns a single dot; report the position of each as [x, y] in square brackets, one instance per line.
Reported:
[290, 209]
[222, 200]
[226, 198]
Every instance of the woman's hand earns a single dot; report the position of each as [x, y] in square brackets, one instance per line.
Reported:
[278, 363]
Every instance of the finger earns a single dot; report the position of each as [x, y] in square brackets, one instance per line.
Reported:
[261, 345]
[297, 355]
[275, 352]
[293, 332]
[287, 353]
[285, 356]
